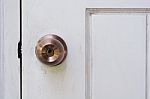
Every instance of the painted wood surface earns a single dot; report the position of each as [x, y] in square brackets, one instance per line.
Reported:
[122, 40]
[9, 62]
[66, 19]
[68, 80]
[1, 52]
[119, 56]
[98, 84]
[148, 57]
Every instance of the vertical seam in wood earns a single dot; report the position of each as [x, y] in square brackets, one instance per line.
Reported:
[20, 49]
[146, 67]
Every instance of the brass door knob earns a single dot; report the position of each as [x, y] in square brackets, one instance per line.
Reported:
[51, 50]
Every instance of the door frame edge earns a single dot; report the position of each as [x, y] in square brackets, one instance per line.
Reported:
[2, 49]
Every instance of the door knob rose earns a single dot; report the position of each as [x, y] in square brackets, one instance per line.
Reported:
[51, 50]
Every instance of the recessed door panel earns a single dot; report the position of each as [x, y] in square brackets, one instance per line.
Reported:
[118, 56]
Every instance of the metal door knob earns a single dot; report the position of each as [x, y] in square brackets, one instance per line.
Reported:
[51, 50]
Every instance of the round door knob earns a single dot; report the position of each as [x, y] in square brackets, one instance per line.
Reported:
[51, 50]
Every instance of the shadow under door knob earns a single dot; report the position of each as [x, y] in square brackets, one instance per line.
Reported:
[51, 50]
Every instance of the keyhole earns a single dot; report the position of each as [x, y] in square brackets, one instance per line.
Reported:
[50, 52]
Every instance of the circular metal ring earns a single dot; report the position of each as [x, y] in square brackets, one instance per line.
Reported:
[51, 50]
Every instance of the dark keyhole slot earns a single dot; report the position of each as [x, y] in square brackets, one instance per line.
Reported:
[50, 52]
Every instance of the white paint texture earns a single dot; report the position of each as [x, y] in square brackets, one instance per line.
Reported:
[67, 19]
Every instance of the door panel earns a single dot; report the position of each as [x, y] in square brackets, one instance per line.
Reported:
[118, 56]
[118, 53]
[65, 81]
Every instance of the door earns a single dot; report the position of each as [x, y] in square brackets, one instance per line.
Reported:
[108, 47]
[118, 58]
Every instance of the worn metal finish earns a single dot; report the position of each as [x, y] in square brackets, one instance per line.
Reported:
[51, 50]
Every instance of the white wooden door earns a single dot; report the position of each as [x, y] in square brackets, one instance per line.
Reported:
[108, 50]
[114, 65]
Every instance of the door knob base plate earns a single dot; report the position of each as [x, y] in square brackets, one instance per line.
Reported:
[51, 50]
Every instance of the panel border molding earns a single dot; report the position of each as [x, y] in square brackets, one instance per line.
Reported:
[88, 43]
